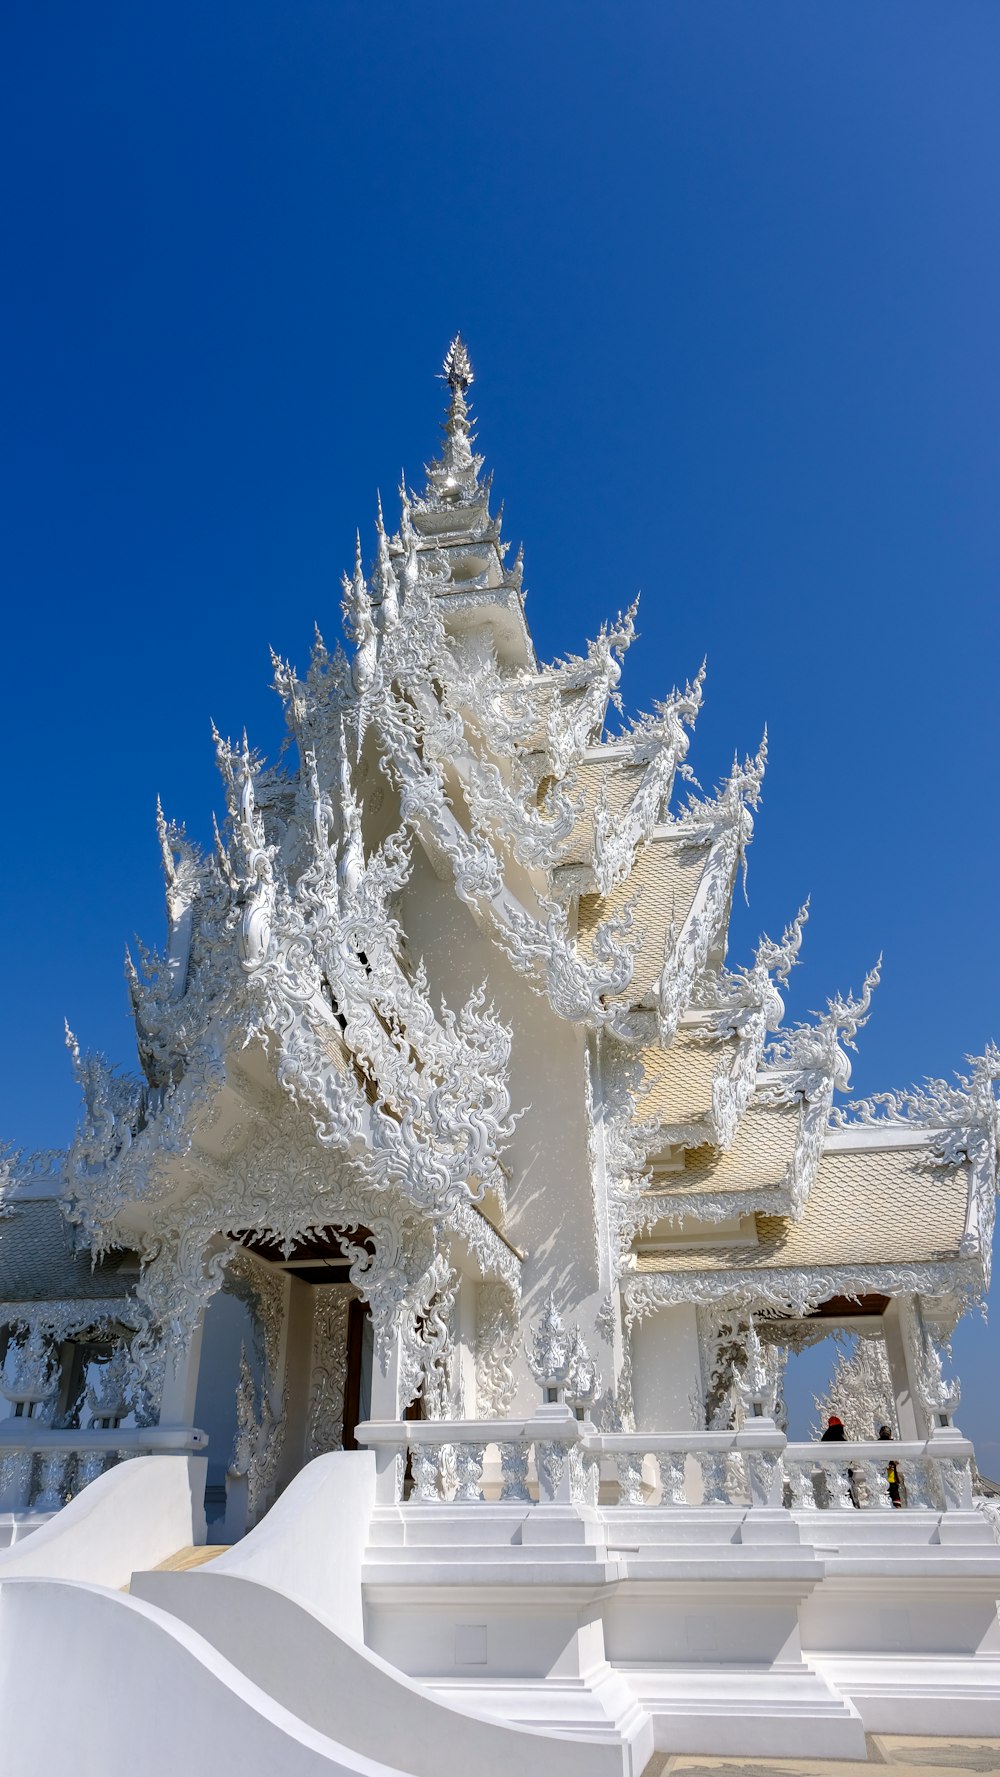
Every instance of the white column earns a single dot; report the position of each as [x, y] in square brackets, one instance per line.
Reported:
[666, 1369]
[898, 1325]
[180, 1382]
[464, 1329]
[386, 1402]
[297, 1375]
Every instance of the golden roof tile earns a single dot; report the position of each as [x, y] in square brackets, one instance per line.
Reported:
[868, 1207]
[663, 884]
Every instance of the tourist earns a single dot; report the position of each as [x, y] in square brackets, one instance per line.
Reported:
[892, 1473]
[835, 1434]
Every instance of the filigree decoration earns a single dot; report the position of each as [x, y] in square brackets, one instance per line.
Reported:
[257, 1446]
[726, 826]
[559, 1359]
[797, 1291]
[810, 1060]
[663, 742]
[860, 1392]
[31, 1374]
[548, 1348]
[328, 1374]
[115, 1391]
[747, 1006]
[439, 1391]
[754, 1380]
[496, 1348]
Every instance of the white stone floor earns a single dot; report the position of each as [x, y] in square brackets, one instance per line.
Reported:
[908, 1757]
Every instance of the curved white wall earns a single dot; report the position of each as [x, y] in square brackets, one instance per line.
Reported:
[312, 1542]
[134, 1516]
[344, 1690]
[134, 1690]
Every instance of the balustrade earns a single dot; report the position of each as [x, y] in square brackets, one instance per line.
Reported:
[41, 1468]
[556, 1458]
[935, 1475]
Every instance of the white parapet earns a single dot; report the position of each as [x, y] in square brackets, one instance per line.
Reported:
[135, 1515]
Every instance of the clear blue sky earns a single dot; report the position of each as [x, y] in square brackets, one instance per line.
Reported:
[730, 274]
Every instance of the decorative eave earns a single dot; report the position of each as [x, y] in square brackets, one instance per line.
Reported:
[800, 1291]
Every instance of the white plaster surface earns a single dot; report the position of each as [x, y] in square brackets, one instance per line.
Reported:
[138, 1691]
[136, 1515]
[338, 1686]
[312, 1542]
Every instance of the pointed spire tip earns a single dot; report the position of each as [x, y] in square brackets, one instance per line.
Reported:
[457, 367]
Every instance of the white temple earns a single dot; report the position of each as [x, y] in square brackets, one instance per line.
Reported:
[448, 1249]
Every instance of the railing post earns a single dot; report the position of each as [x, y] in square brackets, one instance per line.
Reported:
[89, 1465]
[671, 1466]
[838, 1485]
[801, 1486]
[553, 1474]
[15, 1480]
[514, 1472]
[955, 1476]
[765, 1477]
[630, 1489]
[713, 1477]
[469, 1459]
[425, 1468]
[875, 1482]
[52, 1471]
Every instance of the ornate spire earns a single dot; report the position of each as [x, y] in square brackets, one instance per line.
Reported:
[454, 477]
[457, 367]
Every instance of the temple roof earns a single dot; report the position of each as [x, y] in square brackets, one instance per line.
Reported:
[661, 888]
[759, 1160]
[679, 1078]
[866, 1208]
[40, 1262]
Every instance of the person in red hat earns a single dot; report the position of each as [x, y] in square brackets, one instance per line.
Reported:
[835, 1434]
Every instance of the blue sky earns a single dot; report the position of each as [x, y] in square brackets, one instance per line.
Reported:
[730, 277]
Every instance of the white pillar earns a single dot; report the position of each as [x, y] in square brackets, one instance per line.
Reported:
[386, 1401]
[296, 1375]
[180, 1382]
[464, 1330]
[899, 1329]
[666, 1369]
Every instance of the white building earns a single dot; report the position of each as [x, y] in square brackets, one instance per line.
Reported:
[456, 1138]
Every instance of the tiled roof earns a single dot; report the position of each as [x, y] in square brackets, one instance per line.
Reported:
[38, 1263]
[663, 885]
[680, 1078]
[866, 1208]
[619, 779]
[760, 1158]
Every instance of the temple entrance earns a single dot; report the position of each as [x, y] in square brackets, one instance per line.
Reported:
[360, 1357]
[837, 1362]
[230, 1338]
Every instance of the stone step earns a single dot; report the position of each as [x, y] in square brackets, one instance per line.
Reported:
[183, 1559]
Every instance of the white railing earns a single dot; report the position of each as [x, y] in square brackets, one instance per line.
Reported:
[934, 1475]
[447, 1457]
[40, 1468]
[555, 1458]
[729, 1467]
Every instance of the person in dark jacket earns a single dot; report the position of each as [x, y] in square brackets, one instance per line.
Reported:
[835, 1434]
[892, 1473]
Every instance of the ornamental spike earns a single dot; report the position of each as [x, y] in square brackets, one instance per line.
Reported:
[457, 368]
[166, 850]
